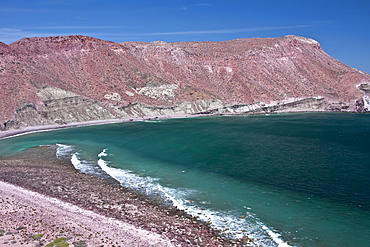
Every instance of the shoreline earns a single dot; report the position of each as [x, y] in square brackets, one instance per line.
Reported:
[179, 213]
[39, 128]
[28, 203]
[37, 170]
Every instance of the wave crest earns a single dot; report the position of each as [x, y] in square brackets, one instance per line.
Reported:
[229, 224]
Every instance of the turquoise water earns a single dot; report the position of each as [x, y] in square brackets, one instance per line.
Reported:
[286, 180]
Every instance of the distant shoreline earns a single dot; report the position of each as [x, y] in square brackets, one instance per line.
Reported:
[40, 128]
[22, 163]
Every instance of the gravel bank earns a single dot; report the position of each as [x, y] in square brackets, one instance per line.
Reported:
[85, 210]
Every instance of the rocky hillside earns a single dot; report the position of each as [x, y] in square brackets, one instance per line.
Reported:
[77, 78]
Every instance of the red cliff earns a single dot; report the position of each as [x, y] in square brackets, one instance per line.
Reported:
[77, 78]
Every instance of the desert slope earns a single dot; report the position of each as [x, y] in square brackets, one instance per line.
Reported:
[64, 79]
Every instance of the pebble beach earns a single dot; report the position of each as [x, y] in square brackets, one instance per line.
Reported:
[45, 201]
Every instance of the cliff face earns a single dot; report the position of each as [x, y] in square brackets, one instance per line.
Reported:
[77, 78]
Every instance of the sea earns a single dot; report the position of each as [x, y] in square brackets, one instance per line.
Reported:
[297, 179]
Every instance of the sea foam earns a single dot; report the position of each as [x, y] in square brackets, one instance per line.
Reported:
[228, 224]
[72, 153]
[64, 151]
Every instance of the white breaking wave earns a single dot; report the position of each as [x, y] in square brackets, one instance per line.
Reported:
[126, 178]
[84, 165]
[275, 236]
[103, 153]
[64, 150]
[70, 152]
[230, 225]
[227, 223]
[77, 162]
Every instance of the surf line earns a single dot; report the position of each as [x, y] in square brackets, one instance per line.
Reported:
[148, 185]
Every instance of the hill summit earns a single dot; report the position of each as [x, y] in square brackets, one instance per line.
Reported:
[64, 79]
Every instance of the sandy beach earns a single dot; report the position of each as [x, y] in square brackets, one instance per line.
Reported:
[50, 218]
[44, 199]
[30, 129]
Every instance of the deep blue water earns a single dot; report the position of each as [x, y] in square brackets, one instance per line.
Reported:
[288, 179]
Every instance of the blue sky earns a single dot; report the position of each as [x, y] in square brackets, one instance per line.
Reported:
[342, 27]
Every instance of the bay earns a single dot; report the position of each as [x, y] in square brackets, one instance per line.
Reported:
[286, 180]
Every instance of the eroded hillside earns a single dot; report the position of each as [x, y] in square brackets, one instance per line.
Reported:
[65, 79]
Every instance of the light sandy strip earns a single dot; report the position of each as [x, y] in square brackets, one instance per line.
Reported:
[39, 128]
[21, 207]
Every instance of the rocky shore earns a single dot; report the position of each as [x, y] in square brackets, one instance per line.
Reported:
[45, 200]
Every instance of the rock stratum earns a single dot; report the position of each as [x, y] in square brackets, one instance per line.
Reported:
[64, 79]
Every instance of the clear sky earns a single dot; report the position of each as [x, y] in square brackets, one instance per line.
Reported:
[341, 26]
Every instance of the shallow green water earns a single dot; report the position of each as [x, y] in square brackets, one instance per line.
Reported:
[289, 179]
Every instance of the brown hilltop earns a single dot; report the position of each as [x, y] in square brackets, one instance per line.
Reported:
[77, 78]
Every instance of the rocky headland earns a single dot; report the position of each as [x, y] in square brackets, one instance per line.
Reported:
[68, 79]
